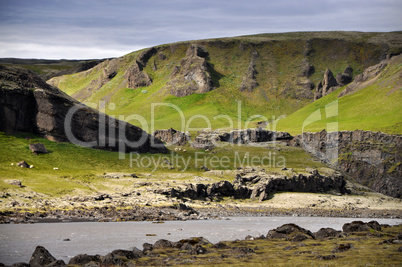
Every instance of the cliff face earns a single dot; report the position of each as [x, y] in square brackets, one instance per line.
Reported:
[28, 104]
[371, 158]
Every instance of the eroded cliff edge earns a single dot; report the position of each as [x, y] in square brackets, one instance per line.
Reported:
[28, 104]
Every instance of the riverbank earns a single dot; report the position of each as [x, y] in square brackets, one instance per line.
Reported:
[354, 243]
[367, 205]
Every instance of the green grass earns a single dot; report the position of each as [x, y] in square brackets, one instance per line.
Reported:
[79, 168]
[376, 107]
[278, 66]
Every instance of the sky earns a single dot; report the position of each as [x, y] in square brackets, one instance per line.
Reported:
[88, 29]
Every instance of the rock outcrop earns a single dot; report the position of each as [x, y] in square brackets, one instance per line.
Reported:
[28, 104]
[260, 186]
[172, 137]
[210, 139]
[249, 82]
[193, 74]
[345, 77]
[326, 86]
[371, 158]
[135, 75]
[42, 257]
[306, 69]
[367, 77]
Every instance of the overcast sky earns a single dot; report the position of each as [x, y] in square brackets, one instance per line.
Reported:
[78, 29]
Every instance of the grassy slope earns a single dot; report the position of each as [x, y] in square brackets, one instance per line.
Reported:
[79, 168]
[376, 107]
[278, 66]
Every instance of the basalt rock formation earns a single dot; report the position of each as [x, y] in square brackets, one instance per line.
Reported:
[249, 82]
[326, 86]
[371, 158]
[210, 139]
[193, 74]
[135, 75]
[368, 76]
[345, 77]
[172, 137]
[28, 104]
[260, 185]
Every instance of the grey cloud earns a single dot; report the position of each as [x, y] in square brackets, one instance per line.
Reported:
[124, 25]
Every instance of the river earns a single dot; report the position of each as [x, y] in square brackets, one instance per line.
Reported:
[18, 241]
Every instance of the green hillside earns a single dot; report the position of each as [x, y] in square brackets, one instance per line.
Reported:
[376, 107]
[278, 60]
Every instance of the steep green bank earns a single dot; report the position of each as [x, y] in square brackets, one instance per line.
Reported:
[375, 107]
[269, 74]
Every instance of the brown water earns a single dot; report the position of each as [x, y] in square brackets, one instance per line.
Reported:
[18, 241]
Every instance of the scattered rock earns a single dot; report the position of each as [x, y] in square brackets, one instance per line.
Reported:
[359, 226]
[288, 232]
[243, 250]
[342, 247]
[41, 257]
[14, 182]
[82, 259]
[325, 233]
[38, 148]
[327, 257]
[162, 243]
[23, 164]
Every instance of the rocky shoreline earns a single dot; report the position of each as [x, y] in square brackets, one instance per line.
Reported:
[182, 212]
[327, 244]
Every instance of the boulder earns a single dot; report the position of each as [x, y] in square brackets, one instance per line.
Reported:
[19, 264]
[172, 137]
[197, 249]
[57, 263]
[359, 226]
[41, 257]
[127, 254]
[23, 164]
[147, 247]
[325, 233]
[38, 148]
[82, 259]
[288, 232]
[112, 260]
[162, 243]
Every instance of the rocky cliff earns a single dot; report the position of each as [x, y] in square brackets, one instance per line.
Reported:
[28, 104]
[172, 137]
[260, 185]
[371, 158]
